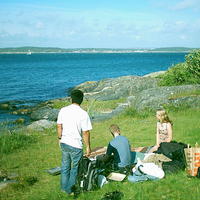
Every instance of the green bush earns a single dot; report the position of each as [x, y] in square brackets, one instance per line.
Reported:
[193, 63]
[183, 73]
[177, 75]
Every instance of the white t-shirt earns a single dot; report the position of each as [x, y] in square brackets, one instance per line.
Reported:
[74, 120]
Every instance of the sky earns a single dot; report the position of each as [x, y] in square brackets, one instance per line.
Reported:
[100, 23]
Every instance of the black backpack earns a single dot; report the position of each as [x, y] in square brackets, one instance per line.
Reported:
[87, 177]
[175, 151]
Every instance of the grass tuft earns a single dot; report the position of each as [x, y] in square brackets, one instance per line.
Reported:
[10, 143]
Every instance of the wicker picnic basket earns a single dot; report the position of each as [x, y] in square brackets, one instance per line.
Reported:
[192, 155]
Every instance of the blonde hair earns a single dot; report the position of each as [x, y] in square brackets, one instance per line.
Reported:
[163, 116]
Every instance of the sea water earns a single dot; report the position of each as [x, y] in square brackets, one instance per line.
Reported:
[39, 77]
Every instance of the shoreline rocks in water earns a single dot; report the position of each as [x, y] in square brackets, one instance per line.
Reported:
[140, 93]
[45, 112]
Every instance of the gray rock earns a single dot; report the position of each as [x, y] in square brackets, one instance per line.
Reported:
[103, 116]
[156, 97]
[87, 86]
[54, 171]
[120, 108]
[45, 113]
[41, 125]
[141, 92]
[19, 121]
[97, 117]
[12, 175]
[154, 74]
[7, 106]
[190, 101]
[115, 88]
[5, 183]
[23, 111]
[7, 178]
[4, 106]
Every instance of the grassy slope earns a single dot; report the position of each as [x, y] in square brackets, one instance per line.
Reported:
[45, 154]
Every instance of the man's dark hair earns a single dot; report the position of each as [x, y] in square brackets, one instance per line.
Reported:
[77, 96]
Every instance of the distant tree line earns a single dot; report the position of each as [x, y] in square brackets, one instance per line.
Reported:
[65, 50]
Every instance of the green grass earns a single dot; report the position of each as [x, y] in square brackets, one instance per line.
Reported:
[185, 94]
[10, 143]
[90, 105]
[59, 103]
[31, 162]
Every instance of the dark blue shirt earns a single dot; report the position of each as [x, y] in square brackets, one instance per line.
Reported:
[120, 147]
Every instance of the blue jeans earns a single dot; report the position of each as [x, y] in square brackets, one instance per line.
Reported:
[139, 177]
[69, 167]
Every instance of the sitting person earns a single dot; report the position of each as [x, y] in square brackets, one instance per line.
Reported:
[164, 129]
[119, 147]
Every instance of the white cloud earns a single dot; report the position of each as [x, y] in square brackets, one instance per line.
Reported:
[138, 37]
[39, 25]
[179, 23]
[102, 27]
[176, 5]
[185, 4]
[183, 37]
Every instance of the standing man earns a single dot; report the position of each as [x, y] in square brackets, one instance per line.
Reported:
[120, 148]
[73, 125]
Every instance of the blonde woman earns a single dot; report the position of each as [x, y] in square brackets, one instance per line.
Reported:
[164, 129]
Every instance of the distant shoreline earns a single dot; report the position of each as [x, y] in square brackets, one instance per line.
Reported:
[28, 50]
[96, 52]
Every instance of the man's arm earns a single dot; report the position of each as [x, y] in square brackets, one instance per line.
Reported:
[59, 130]
[86, 139]
[110, 150]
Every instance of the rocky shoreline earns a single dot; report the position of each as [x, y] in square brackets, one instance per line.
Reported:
[139, 92]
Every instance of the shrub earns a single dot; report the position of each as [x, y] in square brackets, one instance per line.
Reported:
[177, 75]
[183, 73]
[193, 63]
